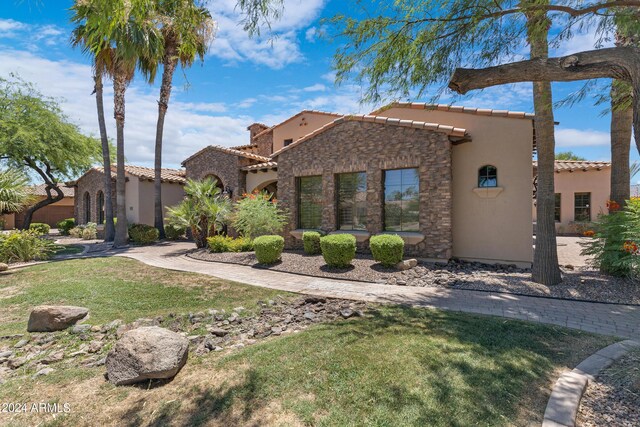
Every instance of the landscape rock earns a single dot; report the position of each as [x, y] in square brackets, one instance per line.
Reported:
[21, 343]
[48, 318]
[407, 264]
[17, 362]
[80, 329]
[53, 358]
[3, 266]
[219, 332]
[146, 353]
[43, 372]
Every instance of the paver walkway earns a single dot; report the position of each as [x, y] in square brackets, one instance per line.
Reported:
[610, 319]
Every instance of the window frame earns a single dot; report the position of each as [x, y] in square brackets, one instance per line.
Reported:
[576, 207]
[299, 219]
[486, 176]
[287, 142]
[557, 208]
[100, 207]
[338, 197]
[385, 225]
[87, 207]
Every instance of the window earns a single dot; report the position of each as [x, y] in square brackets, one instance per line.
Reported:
[100, 207]
[352, 201]
[488, 176]
[401, 200]
[87, 207]
[288, 142]
[582, 207]
[556, 211]
[310, 202]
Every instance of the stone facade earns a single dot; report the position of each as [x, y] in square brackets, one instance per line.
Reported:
[264, 141]
[224, 166]
[355, 146]
[92, 183]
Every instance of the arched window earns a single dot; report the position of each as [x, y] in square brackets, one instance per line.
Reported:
[100, 207]
[87, 207]
[488, 176]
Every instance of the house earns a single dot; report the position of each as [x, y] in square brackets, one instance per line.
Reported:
[89, 193]
[451, 181]
[582, 189]
[50, 214]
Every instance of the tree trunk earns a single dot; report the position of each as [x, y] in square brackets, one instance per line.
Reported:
[621, 125]
[119, 89]
[170, 63]
[109, 228]
[28, 216]
[545, 261]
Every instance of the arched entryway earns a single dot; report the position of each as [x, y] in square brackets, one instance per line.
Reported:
[218, 181]
[87, 207]
[270, 187]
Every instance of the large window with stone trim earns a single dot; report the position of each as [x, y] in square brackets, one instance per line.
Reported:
[582, 207]
[309, 201]
[351, 192]
[402, 200]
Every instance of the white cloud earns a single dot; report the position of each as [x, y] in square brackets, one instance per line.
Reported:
[581, 138]
[247, 103]
[8, 26]
[310, 34]
[318, 87]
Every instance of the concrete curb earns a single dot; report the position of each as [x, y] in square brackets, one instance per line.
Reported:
[567, 392]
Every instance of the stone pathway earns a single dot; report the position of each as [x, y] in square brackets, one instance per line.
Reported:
[619, 320]
[569, 249]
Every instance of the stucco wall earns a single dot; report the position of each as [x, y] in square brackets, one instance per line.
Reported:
[488, 229]
[223, 165]
[598, 183]
[354, 146]
[302, 125]
[259, 179]
[172, 194]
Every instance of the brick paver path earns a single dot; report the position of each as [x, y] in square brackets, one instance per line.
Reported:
[620, 320]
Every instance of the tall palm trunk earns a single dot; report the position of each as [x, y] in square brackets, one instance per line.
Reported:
[545, 260]
[170, 62]
[621, 133]
[119, 89]
[109, 228]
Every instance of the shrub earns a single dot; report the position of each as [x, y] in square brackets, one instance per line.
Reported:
[258, 214]
[387, 249]
[241, 244]
[143, 234]
[89, 233]
[338, 249]
[173, 232]
[65, 226]
[218, 244]
[86, 231]
[311, 242]
[25, 246]
[268, 248]
[40, 228]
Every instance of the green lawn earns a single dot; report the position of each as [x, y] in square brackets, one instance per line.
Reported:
[396, 366]
[69, 250]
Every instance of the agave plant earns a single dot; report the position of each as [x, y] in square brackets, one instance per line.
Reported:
[14, 191]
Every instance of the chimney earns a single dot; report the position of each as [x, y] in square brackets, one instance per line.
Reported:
[255, 129]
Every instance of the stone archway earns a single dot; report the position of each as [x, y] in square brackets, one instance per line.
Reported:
[270, 187]
[219, 182]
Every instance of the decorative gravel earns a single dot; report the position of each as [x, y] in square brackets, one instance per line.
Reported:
[614, 399]
[579, 283]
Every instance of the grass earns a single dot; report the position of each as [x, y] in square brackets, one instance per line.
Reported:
[396, 366]
[69, 250]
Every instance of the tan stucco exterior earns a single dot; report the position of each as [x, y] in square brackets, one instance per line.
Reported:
[488, 227]
[50, 214]
[299, 126]
[260, 179]
[139, 199]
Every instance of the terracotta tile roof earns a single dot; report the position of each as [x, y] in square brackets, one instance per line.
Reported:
[229, 151]
[244, 147]
[260, 166]
[167, 175]
[577, 165]
[455, 109]
[447, 130]
[297, 115]
[39, 190]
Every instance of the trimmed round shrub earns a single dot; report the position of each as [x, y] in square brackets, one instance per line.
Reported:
[174, 233]
[311, 242]
[143, 234]
[338, 249]
[268, 248]
[65, 226]
[40, 228]
[387, 249]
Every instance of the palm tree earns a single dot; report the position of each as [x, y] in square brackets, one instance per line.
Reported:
[187, 29]
[14, 191]
[126, 28]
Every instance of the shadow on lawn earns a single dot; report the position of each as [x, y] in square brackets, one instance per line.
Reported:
[468, 370]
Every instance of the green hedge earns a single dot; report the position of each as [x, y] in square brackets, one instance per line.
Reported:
[219, 244]
[338, 249]
[387, 249]
[66, 225]
[143, 234]
[311, 242]
[40, 228]
[268, 248]
[174, 233]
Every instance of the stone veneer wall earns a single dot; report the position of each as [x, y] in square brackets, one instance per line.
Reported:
[92, 182]
[265, 144]
[354, 146]
[223, 165]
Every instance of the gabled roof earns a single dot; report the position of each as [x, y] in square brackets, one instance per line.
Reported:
[235, 152]
[260, 166]
[577, 165]
[243, 147]
[174, 176]
[295, 116]
[455, 109]
[39, 190]
[435, 127]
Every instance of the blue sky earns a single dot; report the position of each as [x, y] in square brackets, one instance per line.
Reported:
[242, 80]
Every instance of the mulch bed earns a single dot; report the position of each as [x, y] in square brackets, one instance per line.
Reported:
[581, 283]
[614, 399]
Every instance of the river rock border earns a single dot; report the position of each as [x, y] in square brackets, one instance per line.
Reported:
[567, 392]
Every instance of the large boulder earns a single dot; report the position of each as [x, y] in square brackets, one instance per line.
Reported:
[145, 353]
[48, 318]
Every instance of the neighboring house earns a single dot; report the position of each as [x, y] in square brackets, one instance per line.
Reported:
[452, 181]
[89, 192]
[50, 214]
[582, 189]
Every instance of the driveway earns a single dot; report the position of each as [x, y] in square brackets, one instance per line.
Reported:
[569, 249]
